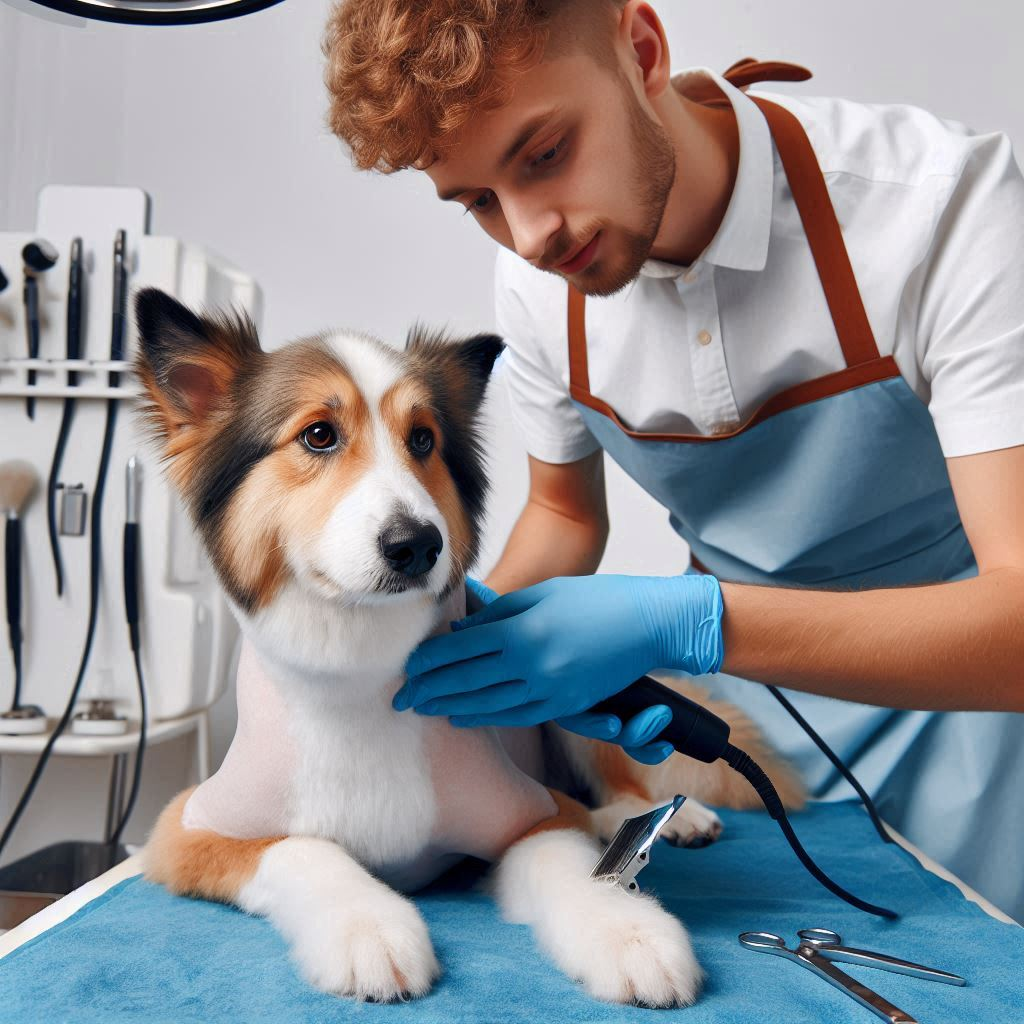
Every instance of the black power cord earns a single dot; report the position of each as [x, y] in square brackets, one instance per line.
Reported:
[95, 534]
[698, 733]
[743, 763]
[869, 805]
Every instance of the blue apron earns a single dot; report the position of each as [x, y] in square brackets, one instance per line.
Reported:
[840, 483]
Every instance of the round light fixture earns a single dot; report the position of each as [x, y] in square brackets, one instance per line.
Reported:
[156, 12]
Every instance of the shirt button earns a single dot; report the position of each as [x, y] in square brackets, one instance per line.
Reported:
[690, 275]
[704, 338]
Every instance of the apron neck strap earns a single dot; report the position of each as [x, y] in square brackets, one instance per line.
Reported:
[824, 236]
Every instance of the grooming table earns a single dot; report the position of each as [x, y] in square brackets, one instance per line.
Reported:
[136, 953]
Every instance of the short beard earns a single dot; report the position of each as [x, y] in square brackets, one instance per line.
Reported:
[654, 174]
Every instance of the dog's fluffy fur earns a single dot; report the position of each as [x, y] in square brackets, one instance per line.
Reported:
[294, 465]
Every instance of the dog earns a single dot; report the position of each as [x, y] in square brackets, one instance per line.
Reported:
[338, 487]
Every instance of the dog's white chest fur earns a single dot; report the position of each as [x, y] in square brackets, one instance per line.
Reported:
[361, 778]
[324, 756]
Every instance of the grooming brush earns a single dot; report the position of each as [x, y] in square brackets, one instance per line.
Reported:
[630, 849]
[18, 480]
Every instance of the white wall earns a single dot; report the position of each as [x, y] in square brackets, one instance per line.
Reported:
[222, 125]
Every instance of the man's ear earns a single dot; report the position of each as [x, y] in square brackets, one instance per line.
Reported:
[461, 367]
[187, 362]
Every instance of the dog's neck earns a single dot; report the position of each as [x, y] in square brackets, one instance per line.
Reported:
[324, 643]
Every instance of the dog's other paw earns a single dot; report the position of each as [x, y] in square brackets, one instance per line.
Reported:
[628, 949]
[623, 948]
[375, 949]
[693, 825]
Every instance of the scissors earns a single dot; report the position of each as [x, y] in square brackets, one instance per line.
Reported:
[819, 947]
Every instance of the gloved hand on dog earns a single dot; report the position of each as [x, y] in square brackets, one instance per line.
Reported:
[553, 650]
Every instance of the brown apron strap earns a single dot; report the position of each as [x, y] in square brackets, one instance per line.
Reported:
[579, 374]
[824, 235]
[817, 214]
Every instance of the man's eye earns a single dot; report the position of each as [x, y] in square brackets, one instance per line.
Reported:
[319, 437]
[550, 156]
[482, 203]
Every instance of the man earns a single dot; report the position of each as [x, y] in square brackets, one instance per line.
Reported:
[819, 372]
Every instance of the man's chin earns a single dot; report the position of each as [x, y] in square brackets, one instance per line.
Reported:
[599, 282]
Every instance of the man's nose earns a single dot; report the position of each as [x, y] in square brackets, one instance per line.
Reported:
[532, 227]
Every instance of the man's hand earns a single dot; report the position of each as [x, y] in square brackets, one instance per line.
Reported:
[553, 650]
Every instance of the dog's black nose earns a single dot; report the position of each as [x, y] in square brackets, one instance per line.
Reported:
[410, 547]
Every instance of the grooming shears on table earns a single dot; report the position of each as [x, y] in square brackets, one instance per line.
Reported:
[819, 947]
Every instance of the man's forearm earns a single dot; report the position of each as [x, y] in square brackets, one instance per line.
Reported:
[948, 646]
[546, 543]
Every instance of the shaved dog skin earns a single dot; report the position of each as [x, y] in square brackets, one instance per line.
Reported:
[299, 468]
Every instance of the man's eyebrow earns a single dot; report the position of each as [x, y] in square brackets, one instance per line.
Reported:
[534, 125]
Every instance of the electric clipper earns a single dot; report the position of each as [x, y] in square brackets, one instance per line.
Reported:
[629, 851]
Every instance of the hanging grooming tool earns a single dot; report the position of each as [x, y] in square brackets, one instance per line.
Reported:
[37, 257]
[18, 481]
[629, 851]
[71, 522]
[130, 563]
[118, 319]
[698, 733]
[73, 350]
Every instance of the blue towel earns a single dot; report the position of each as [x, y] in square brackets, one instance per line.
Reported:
[140, 954]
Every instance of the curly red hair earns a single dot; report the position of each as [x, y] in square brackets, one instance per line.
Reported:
[405, 75]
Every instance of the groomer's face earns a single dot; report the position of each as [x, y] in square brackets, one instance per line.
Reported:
[572, 173]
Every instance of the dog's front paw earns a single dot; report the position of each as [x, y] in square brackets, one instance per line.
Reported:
[377, 949]
[628, 949]
[693, 825]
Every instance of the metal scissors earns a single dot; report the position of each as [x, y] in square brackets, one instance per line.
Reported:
[819, 947]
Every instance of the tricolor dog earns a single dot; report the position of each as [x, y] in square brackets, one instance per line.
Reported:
[338, 486]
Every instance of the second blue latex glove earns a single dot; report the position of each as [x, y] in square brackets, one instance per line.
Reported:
[634, 736]
[553, 650]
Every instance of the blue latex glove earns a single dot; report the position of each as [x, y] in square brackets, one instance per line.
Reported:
[634, 736]
[553, 650]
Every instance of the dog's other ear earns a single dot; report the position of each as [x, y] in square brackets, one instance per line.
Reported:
[186, 362]
[478, 356]
[461, 366]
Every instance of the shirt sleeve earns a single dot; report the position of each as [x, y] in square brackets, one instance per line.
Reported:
[550, 425]
[970, 332]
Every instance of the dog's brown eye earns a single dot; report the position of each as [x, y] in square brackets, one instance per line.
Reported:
[320, 437]
[421, 441]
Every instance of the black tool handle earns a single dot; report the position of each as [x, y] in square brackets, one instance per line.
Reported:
[130, 554]
[693, 731]
[31, 296]
[12, 559]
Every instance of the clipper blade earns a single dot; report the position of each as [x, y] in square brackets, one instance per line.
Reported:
[630, 848]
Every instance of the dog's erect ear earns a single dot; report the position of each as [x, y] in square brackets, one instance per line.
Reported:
[187, 362]
[462, 366]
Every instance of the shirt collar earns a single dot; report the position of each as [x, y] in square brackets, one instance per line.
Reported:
[741, 241]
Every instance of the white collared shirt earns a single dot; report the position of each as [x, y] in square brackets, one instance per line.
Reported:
[933, 219]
